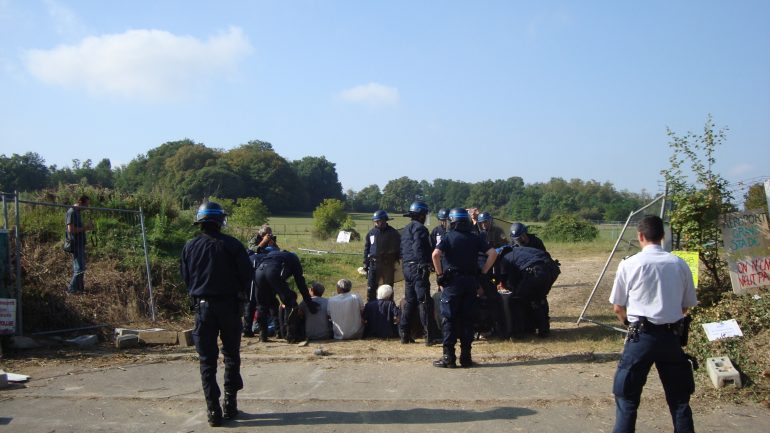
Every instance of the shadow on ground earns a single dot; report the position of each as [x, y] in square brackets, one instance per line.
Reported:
[411, 416]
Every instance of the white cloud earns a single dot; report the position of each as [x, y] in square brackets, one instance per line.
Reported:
[65, 21]
[147, 65]
[373, 94]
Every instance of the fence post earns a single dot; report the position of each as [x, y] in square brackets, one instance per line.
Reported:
[147, 264]
[17, 232]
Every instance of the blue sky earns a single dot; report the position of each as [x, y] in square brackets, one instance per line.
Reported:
[460, 90]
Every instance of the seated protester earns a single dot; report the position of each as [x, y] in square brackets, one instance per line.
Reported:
[381, 315]
[345, 312]
[317, 325]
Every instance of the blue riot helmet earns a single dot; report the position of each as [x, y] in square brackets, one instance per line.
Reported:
[380, 215]
[517, 230]
[211, 212]
[459, 218]
[271, 248]
[417, 208]
[484, 216]
[442, 214]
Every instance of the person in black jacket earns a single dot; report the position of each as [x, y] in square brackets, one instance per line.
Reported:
[270, 279]
[416, 256]
[381, 250]
[457, 272]
[216, 270]
[520, 237]
[440, 230]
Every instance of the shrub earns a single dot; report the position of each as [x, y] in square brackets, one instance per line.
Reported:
[569, 228]
[249, 212]
[328, 217]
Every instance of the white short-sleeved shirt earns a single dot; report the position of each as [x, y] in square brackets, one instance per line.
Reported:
[654, 284]
[345, 314]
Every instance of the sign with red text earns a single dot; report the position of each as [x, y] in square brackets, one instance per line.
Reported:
[747, 247]
[7, 316]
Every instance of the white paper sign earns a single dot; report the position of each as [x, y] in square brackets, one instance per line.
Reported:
[725, 329]
[7, 316]
[343, 237]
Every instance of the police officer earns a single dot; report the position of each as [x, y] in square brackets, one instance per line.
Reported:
[435, 235]
[259, 246]
[457, 273]
[216, 270]
[416, 257]
[381, 250]
[494, 234]
[521, 238]
[653, 290]
[492, 301]
[270, 278]
[529, 274]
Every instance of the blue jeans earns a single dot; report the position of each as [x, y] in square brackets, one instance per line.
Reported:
[660, 347]
[77, 284]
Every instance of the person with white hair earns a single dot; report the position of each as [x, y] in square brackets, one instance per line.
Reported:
[345, 312]
[381, 315]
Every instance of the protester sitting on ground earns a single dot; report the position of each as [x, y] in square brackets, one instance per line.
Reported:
[381, 315]
[317, 325]
[345, 312]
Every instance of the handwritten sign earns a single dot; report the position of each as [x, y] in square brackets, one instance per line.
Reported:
[747, 247]
[693, 262]
[7, 316]
[724, 329]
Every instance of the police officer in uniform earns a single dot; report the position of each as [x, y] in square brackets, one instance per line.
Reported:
[443, 221]
[521, 238]
[215, 267]
[416, 257]
[653, 290]
[381, 250]
[492, 301]
[270, 278]
[259, 246]
[494, 234]
[457, 272]
[529, 274]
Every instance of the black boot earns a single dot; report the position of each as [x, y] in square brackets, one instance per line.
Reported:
[230, 405]
[465, 358]
[448, 360]
[214, 413]
[263, 335]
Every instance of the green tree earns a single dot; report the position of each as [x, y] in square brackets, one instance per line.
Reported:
[319, 179]
[366, 200]
[399, 193]
[699, 206]
[23, 172]
[756, 198]
[267, 175]
[569, 228]
[328, 217]
[249, 212]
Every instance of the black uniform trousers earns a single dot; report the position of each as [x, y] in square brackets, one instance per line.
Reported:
[458, 307]
[531, 303]
[494, 306]
[269, 284]
[381, 271]
[661, 347]
[218, 318]
[417, 295]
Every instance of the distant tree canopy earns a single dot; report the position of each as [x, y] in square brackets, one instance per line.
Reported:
[186, 172]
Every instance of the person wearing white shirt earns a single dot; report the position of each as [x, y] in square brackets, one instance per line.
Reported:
[652, 292]
[345, 310]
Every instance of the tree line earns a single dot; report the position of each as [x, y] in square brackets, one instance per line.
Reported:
[186, 172]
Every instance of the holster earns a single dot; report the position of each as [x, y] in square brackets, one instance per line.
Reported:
[682, 330]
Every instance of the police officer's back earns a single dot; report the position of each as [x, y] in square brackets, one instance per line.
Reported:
[216, 269]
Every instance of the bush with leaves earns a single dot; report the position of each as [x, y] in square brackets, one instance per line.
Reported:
[569, 228]
[328, 217]
[249, 212]
[698, 207]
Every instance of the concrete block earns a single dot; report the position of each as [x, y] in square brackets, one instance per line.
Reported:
[126, 341]
[185, 338]
[158, 337]
[722, 372]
